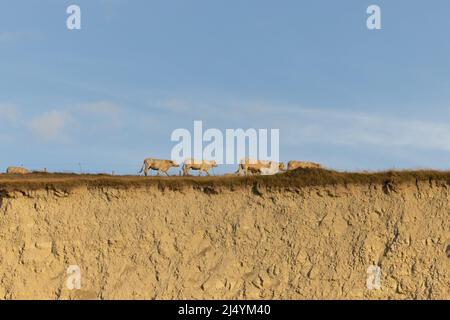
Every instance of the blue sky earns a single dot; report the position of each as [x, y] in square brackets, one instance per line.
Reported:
[109, 95]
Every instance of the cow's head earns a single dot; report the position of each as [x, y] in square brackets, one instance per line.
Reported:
[281, 166]
[174, 164]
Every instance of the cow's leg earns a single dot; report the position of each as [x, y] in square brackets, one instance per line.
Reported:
[166, 173]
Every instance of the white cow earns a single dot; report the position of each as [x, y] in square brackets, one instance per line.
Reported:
[274, 168]
[17, 170]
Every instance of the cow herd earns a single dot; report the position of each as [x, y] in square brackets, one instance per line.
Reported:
[163, 166]
[246, 167]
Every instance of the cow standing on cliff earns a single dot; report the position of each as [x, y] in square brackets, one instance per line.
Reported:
[17, 170]
[158, 165]
[200, 166]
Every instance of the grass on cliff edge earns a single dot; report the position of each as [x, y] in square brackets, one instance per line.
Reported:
[296, 178]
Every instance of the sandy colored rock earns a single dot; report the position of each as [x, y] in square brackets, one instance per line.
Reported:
[233, 243]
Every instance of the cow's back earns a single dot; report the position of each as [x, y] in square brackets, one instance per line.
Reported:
[292, 165]
[16, 170]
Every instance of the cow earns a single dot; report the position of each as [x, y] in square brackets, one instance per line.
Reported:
[254, 166]
[292, 165]
[274, 168]
[158, 165]
[17, 170]
[201, 166]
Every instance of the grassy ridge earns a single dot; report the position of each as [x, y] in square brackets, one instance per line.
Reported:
[296, 178]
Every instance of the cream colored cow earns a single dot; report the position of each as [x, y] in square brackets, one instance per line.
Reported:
[158, 165]
[274, 168]
[17, 170]
[263, 167]
[201, 166]
[292, 165]
[253, 166]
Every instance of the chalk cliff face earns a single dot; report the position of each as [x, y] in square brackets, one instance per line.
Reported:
[246, 242]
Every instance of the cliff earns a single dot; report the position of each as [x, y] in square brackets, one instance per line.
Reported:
[311, 234]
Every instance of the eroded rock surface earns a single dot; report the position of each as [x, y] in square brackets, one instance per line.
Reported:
[291, 243]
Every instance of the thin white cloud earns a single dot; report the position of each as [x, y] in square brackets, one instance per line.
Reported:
[364, 129]
[8, 113]
[61, 125]
[8, 120]
[300, 125]
[11, 36]
[8, 36]
[51, 125]
[101, 107]
[107, 113]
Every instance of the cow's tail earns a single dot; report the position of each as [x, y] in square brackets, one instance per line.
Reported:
[142, 169]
